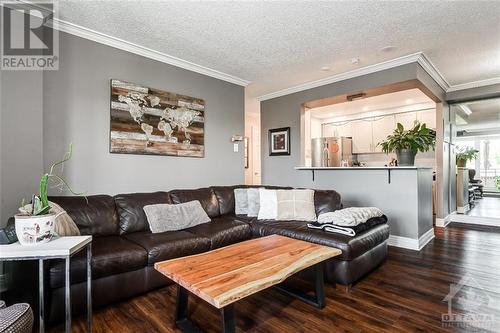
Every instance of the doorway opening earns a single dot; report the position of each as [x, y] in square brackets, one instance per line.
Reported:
[476, 136]
[252, 148]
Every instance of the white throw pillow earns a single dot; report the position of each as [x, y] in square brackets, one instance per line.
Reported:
[253, 202]
[240, 201]
[268, 205]
[165, 217]
[296, 205]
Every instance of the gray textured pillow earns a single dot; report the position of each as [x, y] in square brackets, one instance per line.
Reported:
[296, 205]
[240, 201]
[253, 201]
[165, 217]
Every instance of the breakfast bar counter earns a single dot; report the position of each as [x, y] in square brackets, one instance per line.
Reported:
[403, 193]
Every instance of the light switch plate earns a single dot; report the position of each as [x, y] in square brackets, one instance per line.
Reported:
[235, 147]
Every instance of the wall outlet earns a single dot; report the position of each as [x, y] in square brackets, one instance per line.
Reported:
[236, 147]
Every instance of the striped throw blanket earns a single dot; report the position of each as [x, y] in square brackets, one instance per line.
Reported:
[349, 221]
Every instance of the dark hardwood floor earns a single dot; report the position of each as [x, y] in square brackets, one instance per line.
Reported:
[404, 295]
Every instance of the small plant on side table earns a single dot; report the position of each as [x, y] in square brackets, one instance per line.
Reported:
[35, 222]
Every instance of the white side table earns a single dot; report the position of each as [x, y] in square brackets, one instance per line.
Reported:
[58, 248]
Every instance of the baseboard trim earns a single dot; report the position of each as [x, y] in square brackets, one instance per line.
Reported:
[403, 242]
[411, 243]
[488, 221]
[425, 239]
[464, 209]
[442, 223]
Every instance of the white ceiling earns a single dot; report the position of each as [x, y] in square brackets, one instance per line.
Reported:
[280, 44]
[400, 101]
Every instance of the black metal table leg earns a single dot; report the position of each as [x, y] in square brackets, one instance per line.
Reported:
[228, 323]
[181, 313]
[318, 300]
[187, 326]
[319, 285]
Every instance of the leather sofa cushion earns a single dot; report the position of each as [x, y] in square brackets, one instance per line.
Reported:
[222, 231]
[96, 217]
[326, 201]
[225, 197]
[130, 209]
[351, 247]
[205, 196]
[169, 244]
[110, 255]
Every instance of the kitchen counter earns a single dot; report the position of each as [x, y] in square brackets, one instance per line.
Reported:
[403, 193]
[388, 169]
[363, 168]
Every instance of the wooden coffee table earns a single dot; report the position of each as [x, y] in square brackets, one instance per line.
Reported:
[226, 275]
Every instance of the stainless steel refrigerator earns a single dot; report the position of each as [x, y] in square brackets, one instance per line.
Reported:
[331, 151]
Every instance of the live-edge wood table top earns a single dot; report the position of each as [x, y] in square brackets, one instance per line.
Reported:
[225, 275]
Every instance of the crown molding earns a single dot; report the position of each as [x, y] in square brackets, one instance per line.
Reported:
[474, 84]
[418, 57]
[433, 72]
[124, 45]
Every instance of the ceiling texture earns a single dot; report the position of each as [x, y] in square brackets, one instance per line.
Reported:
[280, 44]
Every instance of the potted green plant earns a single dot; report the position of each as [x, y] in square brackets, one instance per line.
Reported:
[407, 143]
[465, 154]
[35, 222]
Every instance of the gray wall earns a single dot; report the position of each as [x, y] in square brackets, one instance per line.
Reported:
[76, 109]
[21, 103]
[20, 138]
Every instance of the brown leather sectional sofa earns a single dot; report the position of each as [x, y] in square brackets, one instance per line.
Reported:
[124, 250]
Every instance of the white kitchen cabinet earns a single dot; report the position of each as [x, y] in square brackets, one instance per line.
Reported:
[367, 133]
[427, 117]
[345, 130]
[406, 119]
[329, 130]
[337, 130]
[362, 141]
[381, 128]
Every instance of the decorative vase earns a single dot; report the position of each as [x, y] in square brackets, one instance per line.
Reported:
[32, 230]
[461, 163]
[406, 157]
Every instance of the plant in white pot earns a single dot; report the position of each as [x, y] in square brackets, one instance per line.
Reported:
[407, 143]
[35, 222]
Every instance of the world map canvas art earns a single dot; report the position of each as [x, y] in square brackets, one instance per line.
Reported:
[151, 121]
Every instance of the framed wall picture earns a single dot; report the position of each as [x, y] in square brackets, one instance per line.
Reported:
[155, 122]
[279, 141]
